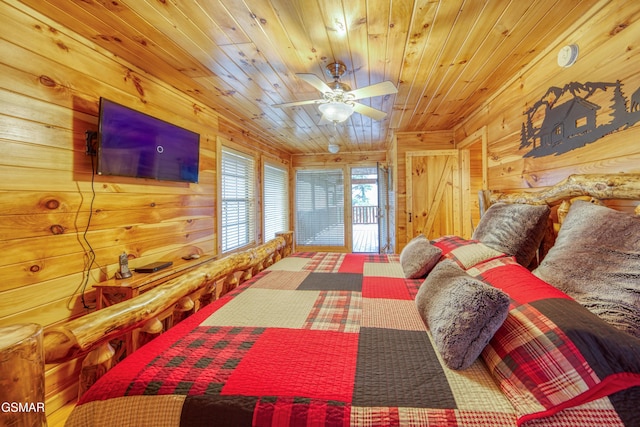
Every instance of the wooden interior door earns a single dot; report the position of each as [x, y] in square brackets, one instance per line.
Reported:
[433, 193]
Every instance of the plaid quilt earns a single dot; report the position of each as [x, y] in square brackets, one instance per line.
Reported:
[318, 339]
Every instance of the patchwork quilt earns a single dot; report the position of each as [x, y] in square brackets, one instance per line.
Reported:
[328, 339]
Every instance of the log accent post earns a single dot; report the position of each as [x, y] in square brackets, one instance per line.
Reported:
[149, 331]
[229, 284]
[484, 200]
[208, 295]
[22, 374]
[95, 365]
[563, 209]
[548, 240]
[271, 260]
[246, 275]
[259, 267]
[289, 246]
[183, 309]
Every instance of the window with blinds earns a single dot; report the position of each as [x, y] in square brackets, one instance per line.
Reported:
[275, 201]
[238, 200]
[320, 207]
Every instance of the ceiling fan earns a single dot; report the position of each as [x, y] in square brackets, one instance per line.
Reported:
[338, 101]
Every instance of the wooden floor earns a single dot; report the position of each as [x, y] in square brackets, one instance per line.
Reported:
[365, 238]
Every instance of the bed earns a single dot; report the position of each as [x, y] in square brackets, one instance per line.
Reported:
[451, 332]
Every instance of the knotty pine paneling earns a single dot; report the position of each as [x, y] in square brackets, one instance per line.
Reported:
[608, 52]
[475, 183]
[55, 214]
[240, 58]
[338, 160]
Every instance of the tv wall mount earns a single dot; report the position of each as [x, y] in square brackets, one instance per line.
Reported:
[91, 136]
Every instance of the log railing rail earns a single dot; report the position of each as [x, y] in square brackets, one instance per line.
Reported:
[364, 214]
[90, 334]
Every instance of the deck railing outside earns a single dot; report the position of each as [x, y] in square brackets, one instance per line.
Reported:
[365, 215]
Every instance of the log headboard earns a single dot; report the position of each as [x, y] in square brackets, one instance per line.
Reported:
[598, 186]
[593, 187]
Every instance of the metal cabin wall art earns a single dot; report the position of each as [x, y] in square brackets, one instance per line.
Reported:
[576, 115]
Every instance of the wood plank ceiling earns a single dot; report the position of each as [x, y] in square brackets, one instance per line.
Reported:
[241, 56]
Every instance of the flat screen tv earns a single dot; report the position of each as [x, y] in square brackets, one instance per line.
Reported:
[131, 143]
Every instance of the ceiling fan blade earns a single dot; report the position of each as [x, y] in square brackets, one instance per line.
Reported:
[294, 103]
[365, 110]
[315, 81]
[383, 88]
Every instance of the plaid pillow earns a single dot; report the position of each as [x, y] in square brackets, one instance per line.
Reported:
[466, 253]
[551, 353]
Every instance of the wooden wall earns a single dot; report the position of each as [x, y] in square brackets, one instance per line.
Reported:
[55, 215]
[475, 177]
[608, 52]
[360, 158]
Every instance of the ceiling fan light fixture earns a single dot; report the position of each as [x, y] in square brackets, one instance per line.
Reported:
[334, 148]
[336, 111]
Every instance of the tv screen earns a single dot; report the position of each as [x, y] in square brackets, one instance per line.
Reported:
[131, 143]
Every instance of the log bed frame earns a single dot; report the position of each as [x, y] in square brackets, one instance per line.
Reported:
[90, 334]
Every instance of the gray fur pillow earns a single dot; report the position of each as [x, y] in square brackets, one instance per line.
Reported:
[513, 228]
[596, 260]
[461, 312]
[418, 257]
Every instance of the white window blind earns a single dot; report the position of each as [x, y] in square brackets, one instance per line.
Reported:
[238, 201]
[320, 207]
[275, 201]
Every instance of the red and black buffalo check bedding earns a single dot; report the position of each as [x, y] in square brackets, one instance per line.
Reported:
[326, 339]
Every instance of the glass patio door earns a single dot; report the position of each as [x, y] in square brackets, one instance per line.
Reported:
[365, 210]
[320, 208]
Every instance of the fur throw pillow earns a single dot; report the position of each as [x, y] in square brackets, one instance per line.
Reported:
[513, 228]
[596, 260]
[461, 312]
[418, 257]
